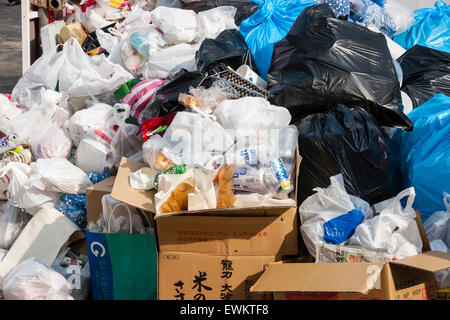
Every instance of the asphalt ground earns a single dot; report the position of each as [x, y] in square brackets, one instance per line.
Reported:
[10, 46]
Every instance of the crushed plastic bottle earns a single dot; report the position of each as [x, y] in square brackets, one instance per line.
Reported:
[367, 13]
[341, 8]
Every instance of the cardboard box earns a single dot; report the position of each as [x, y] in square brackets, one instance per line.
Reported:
[405, 279]
[236, 236]
[192, 276]
[94, 196]
[145, 199]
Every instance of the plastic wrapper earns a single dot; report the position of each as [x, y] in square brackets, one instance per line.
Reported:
[429, 28]
[309, 79]
[422, 155]
[333, 253]
[347, 141]
[394, 229]
[54, 144]
[267, 26]
[73, 30]
[12, 221]
[426, 73]
[214, 21]
[331, 215]
[32, 280]
[245, 8]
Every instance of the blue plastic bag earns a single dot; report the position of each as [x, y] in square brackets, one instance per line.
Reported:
[267, 26]
[424, 154]
[431, 28]
[340, 229]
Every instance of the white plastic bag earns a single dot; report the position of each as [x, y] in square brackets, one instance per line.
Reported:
[191, 139]
[53, 144]
[84, 76]
[437, 226]
[178, 25]
[11, 224]
[91, 155]
[21, 193]
[119, 217]
[94, 118]
[325, 205]
[394, 229]
[168, 61]
[58, 175]
[215, 21]
[32, 280]
[125, 141]
[43, 73]
[251, 113]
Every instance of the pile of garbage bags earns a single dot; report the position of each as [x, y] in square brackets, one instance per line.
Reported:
[337, 107]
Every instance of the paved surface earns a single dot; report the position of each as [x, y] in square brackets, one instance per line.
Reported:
[10, 46]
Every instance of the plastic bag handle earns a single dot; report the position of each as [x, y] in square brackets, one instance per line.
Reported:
[114, 210]
[411, 196]
[447, 201]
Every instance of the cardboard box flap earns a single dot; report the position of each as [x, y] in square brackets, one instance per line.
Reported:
[105, 185]
[123, 191]
[319, 277]
[432, 261]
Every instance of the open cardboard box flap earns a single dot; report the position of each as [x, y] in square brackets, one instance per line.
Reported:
[432, 261]
[318, 277]
[339, 277]
[145, 200]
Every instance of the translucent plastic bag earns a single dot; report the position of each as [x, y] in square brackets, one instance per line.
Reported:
[84, 76]
[96, 118]
[21, 194]
[251, 113]
[56, 143]
[437, 226]
[331, 204]
[32, 280]
[178, 25]
[394, 229]
[58, 175]
[43, 73]
[119, 217]
[169, 61]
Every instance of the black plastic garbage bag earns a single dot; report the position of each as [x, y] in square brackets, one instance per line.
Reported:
[228, 48]
[426, 73]
[324, 61]
[348, 141]
[166, 98]
[245, 8]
